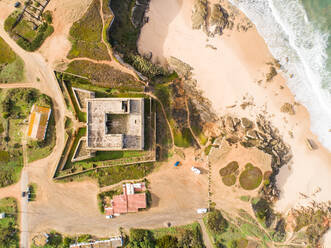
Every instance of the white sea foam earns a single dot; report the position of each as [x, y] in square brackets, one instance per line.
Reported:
[301, 50]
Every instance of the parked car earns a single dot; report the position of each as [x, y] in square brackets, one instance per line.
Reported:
[196, 170]
[23, 194]
[17, 4]
[202, 210]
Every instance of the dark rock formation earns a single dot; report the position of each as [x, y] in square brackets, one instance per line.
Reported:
[138, 12]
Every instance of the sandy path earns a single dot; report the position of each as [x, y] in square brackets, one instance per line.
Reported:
[228, 75]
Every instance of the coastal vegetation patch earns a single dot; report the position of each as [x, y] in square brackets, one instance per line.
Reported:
[11, 65]
[229, 169]
[229, 180]
[104, 75]
[251, 177]
[177, 236]
[86, 35]
[9, 232]
[28, 34]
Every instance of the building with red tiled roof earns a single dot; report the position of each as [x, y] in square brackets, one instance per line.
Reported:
[129, 201]
[38, 122]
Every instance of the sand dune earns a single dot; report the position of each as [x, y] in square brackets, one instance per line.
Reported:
[229, 74]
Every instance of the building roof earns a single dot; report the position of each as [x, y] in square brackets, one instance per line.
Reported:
[115, 124]
[128, 202]
[38, 122]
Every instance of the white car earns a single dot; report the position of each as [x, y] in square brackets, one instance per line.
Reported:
[202, 210]
[196, 170]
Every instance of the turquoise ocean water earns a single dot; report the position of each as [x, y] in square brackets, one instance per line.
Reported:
[298, 34]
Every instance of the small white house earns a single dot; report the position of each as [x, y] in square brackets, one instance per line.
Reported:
[2, 215]
[196, 170]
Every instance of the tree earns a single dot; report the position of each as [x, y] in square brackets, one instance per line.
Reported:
[216, 222]
[140, 238]
[167, 241]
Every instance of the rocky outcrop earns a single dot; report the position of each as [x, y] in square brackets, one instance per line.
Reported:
[265, 137]
[138, 13]
[219, 19]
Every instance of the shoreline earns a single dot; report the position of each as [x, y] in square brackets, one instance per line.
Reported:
[228, 76]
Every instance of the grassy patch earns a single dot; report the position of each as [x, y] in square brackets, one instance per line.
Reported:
[103, 75]
[229, 180]
[183, 138]
[24, 34]
[116, 174]
[11, 66]
[81, 133]
[230, 236]
[207, 150]
[230, 168]
[250, 178]
[86, 35]
[245, 198]
[9, 233]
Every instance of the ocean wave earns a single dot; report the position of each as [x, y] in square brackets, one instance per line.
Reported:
[300, 48]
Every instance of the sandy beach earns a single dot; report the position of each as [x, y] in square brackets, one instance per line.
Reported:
[229, 75]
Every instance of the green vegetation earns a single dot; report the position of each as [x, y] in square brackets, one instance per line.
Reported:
[251, 177]
[11, 66]
[102, 197]
[116, 174]
[104, 75]
[86, 35]
[15, 105]
[9, 233]
[229, 169]
[229, 180]
[183, 138]
[172, 237]
[245, 198]
[224, 233]
[24, 33]
[33, 191]
[215, 222]
[207, 150]
[57, 240]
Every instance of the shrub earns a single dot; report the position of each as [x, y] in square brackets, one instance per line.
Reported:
[231, 168]
[48, 17]
[167, 241]
[250, 178]
[140, 238]
[263, 211]
[229, 180]
[191, 238]
[145, 66]
[216, 222]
